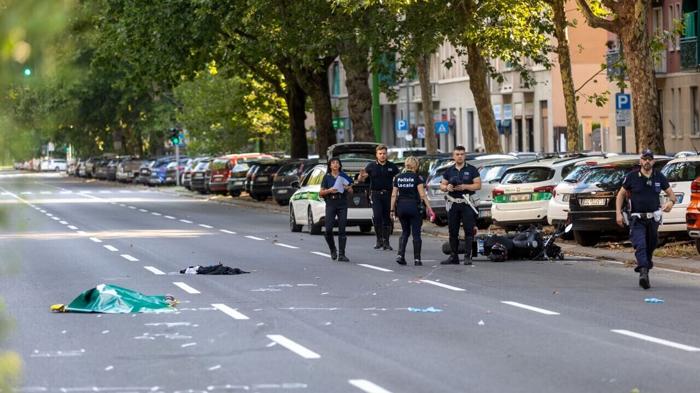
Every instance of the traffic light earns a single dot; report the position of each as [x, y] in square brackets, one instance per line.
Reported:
[174, 136]
[27, 71]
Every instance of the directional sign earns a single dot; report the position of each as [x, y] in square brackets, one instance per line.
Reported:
[442, 127]
[401, 126]
[623, 110]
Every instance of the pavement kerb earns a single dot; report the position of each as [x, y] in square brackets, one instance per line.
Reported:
[678, 264]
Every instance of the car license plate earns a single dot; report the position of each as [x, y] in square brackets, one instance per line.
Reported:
[519, 197]
[484, 213]
[197, 176]
[238, 183]
[282, 191]
[594, 202]
[262, 178]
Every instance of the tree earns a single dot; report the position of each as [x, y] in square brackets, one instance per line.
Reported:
[628, 20]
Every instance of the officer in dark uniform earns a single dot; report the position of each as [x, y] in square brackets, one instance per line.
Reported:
[408, 192]
[381, 174]
[460, 181]
[642, 188]
[334, 186]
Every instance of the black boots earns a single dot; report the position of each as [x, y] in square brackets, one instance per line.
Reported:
[453, 259]
[468, 250]
[400, 258]
[331, 246]
[417, 244]
[385, 243]
[342, 240]
[644, 278]
[380, 238]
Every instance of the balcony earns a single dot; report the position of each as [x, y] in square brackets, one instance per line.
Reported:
[689, 53]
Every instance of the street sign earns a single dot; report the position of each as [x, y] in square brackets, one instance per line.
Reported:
[401, 126]
[420, 132]
[623, 110]
[442, 127]
[339, 123]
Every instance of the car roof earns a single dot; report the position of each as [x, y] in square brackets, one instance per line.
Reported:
[550, 162]
[510, 161]
[352, 147]
[685, 159]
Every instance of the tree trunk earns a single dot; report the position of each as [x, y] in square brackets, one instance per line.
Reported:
[315, 83]
[640, 70]
[426, 94]
[560, 24]
[478, 74]
[295, 98]
[356, 63]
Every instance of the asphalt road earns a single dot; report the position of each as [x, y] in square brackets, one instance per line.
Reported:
[301, 322]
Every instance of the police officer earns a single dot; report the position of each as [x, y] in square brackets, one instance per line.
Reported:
[408, 192]
[334, 186]
[642, 187]
[460, 181]
[380, 174]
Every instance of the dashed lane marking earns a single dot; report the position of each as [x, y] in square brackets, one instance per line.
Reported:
[206, 226]
[169, 217]
[367, 386]
[55, 218]
[227, 231]
[381, 269]
[186, 288]
[110, 248]
[186, 221]
[235, 314]
[129, 258]
[156, 214]
[73, 227]
[96, 240]
[143, 210]
[441, 285]
[154, 270]
[82, 233]
[656, 340]
[323, 254]
[254, 237]
[293, 346]
[132, 207]
[531, 308]
[286, 246]
[64, 222]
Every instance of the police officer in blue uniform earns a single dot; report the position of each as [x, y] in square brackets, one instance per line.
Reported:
[460, 181]
[334, 188]
[380, 174]
[408, 192]
[641, 188]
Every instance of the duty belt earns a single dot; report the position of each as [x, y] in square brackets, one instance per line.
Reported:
[466, 200]
[648, 216]
[380, 192]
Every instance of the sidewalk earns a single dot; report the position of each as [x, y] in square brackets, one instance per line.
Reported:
[626, 256]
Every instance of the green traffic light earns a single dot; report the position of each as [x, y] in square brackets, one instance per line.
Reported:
[27, 72]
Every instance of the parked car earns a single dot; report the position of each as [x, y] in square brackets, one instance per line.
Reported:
[428, 163]
[100, 169]
[172, 170]
[189, 168]
[199, 181]
[490, 173]
[90, 166]
[692, 215]
[592, 203]
[306, 207]
[128, 169]
[144, 172]
[523, 194]
[112, 168]
[236, 183]
[288, 179]
[400, 153]
[159, 172]
[558, 207]
[262, 177]
[680, 172]
[81, 170]
[221, 169]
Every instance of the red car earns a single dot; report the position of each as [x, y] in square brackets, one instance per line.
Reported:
[692, 214]
[220, 169]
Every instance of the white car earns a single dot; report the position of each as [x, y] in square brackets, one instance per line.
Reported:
[55, 165]
[523, 194]
[306, 207]
[680, 173]
[490, 174]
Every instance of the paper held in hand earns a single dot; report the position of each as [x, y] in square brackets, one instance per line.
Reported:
[340, 183]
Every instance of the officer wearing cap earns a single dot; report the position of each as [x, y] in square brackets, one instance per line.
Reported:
[460, 181]
[380, 175]
[641, 188]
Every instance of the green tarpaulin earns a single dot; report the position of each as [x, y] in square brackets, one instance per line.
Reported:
[106, 298]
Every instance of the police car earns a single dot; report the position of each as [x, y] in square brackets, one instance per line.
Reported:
[306, 207]
[680, 174]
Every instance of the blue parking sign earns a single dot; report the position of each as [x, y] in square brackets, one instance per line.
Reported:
[402, 126]
[623, 101]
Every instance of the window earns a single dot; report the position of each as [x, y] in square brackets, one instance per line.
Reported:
[657, 20]
[606, 176]
[694, 116]
[672, 118]
[671, 45]
[682, 171]
[576, 174]
[336, 79]
[315, 177]
[527, 175]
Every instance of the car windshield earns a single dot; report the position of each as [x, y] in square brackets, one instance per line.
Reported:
[491, 173]
[241, 167]
[611, 176]
[682, 171]
[365, 156]
[202, 165]
[268, 169]
[527, 175]
[217, 165]
[577, 173]
[288, 170]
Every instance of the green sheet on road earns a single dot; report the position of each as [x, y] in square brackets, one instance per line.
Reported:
[111, 299]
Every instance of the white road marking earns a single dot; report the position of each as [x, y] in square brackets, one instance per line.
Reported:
[154, 270]
[439, 284]
[64, 222]
[206, 226]
[169, 217]
[129, 258]
[381, 269]
[286, 245]
[122, 205]
[42, 210]
[26, 193]
[55, 218]
[48, 214]
[82, 233]
[96, 240]
[132, 207]
[46, 193]
[323, 254]
[143, 210]
[367, 386]
[110, 248]
[105, 192]
[125, 191]
[66, 192]
[227, 231]
[531, 308]
[73, 227]
[655, 340]
[156, 214]
[188, 345]
[229, 311]
[186, 288]
[254, 237]
[186, 221]
[218, 366]
[294, 347]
